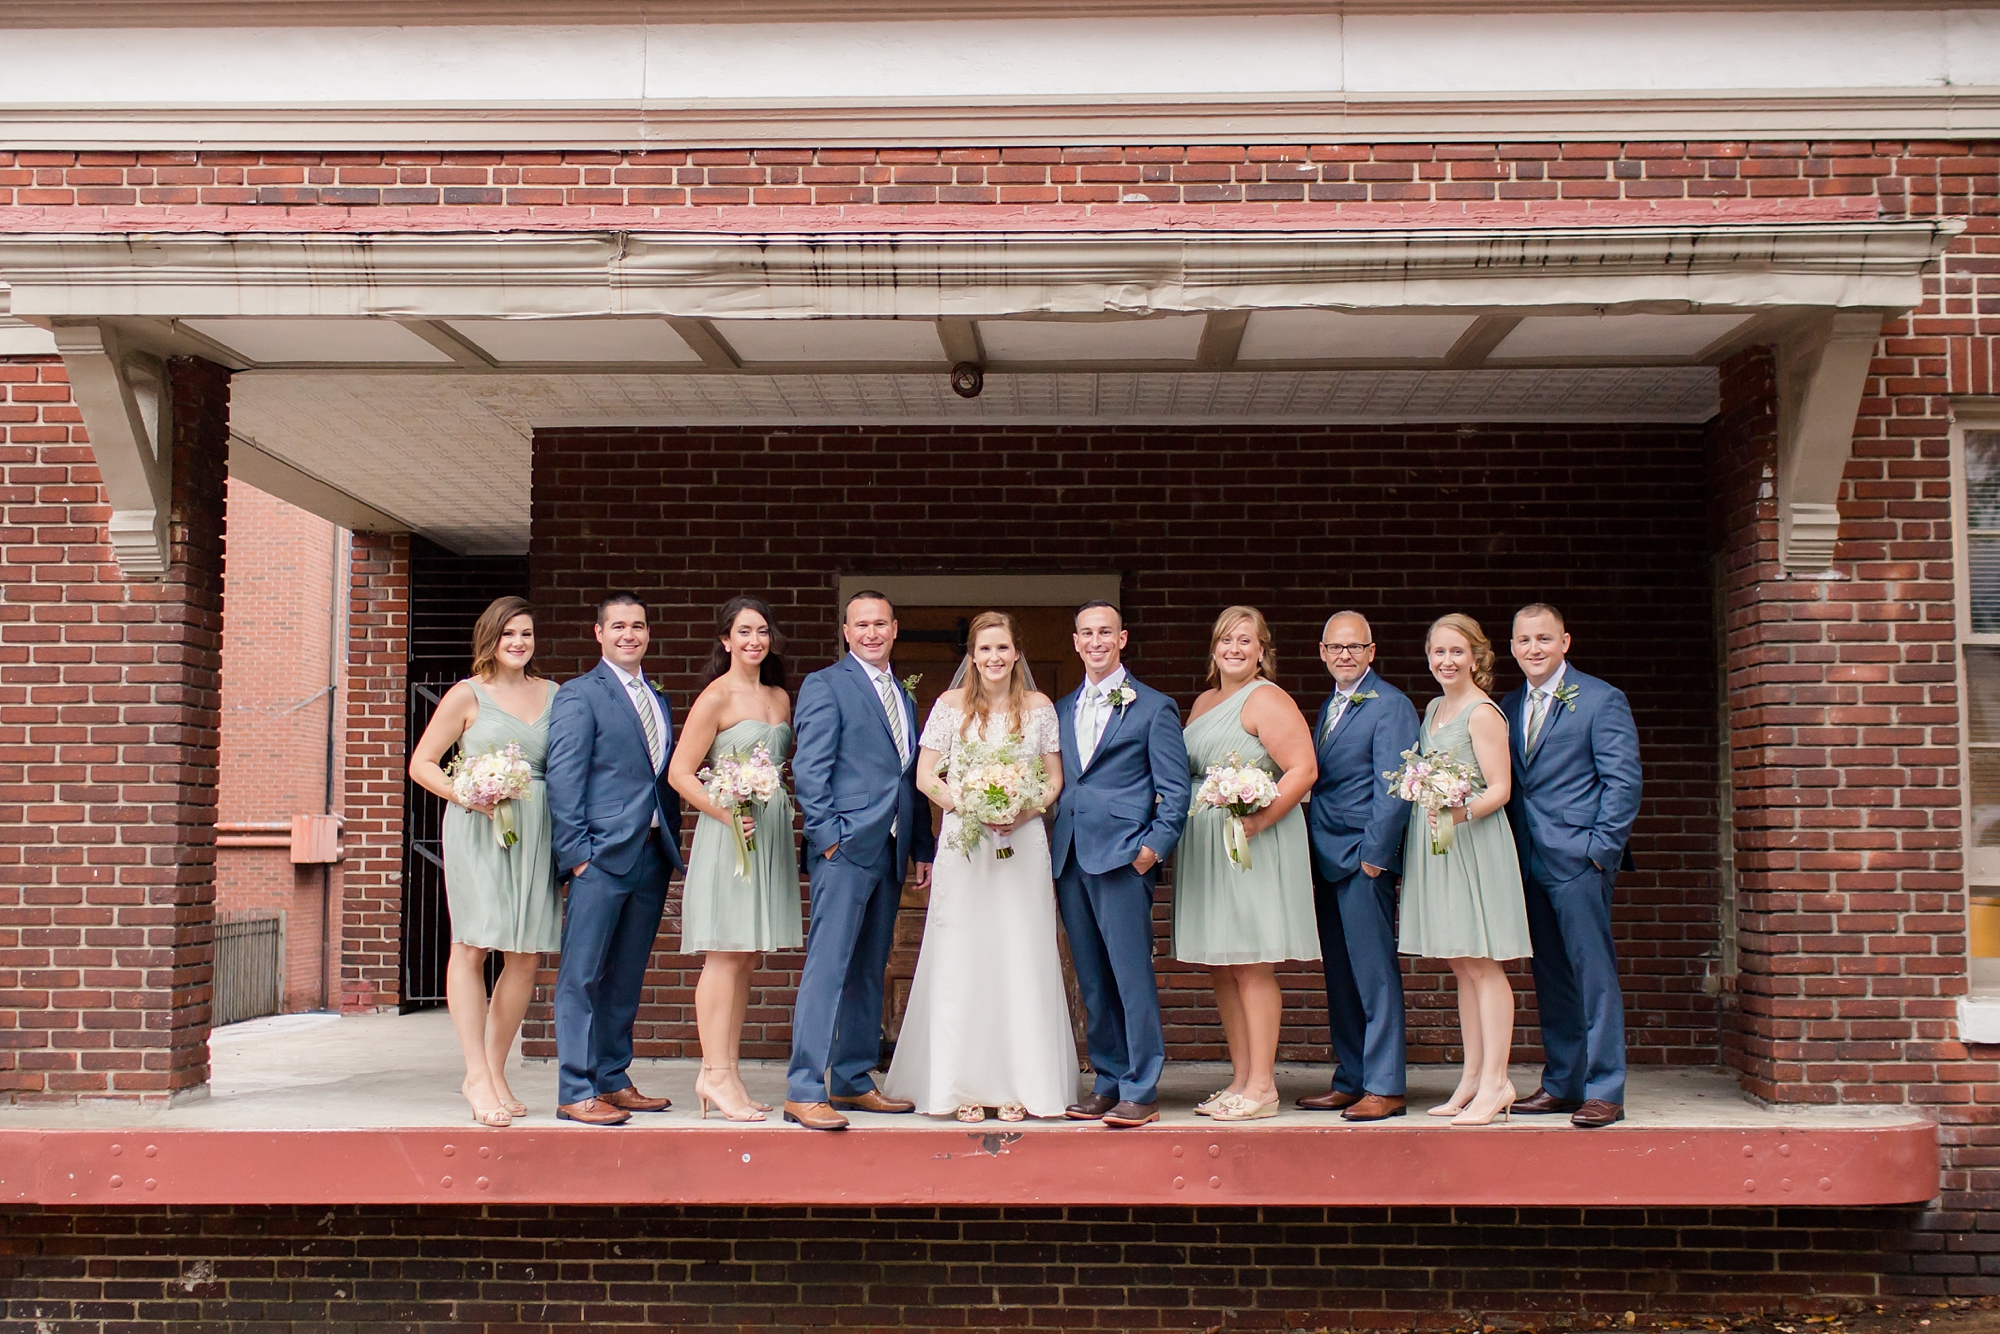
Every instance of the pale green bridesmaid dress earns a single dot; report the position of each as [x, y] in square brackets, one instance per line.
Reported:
[760, 911]
[1224, 914]
[1466, 902]
[504, 898]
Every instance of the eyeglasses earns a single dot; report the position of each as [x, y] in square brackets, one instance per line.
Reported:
[1344, 650]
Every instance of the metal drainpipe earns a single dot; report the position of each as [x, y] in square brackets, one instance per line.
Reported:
[336, 609]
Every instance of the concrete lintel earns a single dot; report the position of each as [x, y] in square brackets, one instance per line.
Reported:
[127, 409]
[1822, 371]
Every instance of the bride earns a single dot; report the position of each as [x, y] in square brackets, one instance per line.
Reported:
[987, 1023]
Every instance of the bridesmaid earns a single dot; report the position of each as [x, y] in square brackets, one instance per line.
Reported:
[743, 705]
[1466, 906]
[500, 898]
[1236, 922]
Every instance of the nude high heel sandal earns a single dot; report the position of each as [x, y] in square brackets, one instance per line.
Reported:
[704, 1097]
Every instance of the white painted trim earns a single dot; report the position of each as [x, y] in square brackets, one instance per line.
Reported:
[1739, 266]
[890, 73]
[995, 590]
[1979, 1019]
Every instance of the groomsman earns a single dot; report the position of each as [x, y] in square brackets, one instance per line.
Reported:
[1124, 802]
[1357, 827]
[618, 832]
[854, 774]
[1576, 793]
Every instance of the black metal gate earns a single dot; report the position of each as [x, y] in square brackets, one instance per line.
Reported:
[426, 917]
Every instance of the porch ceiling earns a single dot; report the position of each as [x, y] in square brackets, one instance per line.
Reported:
[396, 380]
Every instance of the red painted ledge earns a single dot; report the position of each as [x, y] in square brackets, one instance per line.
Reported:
[1876, 1163]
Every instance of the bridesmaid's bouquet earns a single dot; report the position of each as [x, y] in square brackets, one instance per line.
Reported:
[737, 781]
[497, 778]
[992, 782]
[1240, 789]
[1436, 782]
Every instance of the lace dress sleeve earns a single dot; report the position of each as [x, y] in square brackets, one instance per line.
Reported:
[1043, 738]
[939, 728]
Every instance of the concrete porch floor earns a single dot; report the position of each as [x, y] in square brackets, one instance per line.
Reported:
[316, 1108]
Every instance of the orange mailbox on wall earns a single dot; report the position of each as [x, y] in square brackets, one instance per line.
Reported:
[315, 839]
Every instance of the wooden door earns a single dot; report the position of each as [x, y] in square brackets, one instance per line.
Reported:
[930, 641]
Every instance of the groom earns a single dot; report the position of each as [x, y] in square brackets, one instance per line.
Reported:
[618, 832]
[1124, 801]
[854, 774]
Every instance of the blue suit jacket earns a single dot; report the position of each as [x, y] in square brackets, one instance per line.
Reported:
[1576, 793]
[1353, 817]
[1134, 793]
[848, 779]
[603, 793]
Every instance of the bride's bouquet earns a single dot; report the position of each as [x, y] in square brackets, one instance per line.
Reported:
[1240, 789]
[497, 778]
[991, 783]
[736, 781]
[1436, 782]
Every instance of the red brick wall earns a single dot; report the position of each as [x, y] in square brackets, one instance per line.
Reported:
[1403, 523]
[277, 706]
[777, 1271]
[108, 712]
[373, 760]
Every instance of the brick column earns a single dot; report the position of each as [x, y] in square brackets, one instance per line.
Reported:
[109, 699]
[378, 653]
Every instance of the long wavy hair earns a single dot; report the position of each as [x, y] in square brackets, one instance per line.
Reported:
[771, 671]
[1267, 666]
[486, 634]
[1482, 647]
[977, 707]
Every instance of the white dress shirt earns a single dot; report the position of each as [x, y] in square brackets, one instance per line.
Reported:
[644, 698]
[1101, 718]
[876, 678]
[1548, 688]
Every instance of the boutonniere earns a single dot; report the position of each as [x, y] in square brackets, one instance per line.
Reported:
[1566, 695]
[659, 685]
[1354, 700]
[1122, 696]
[910, 682]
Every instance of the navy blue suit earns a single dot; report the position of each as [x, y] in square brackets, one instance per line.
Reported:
[858, 793]
[1576, 794]
[1134, 793]
[604, 798]
[1353, 818]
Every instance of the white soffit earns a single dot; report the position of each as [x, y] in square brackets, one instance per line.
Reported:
[1171, 338]
[1306, 335]
[1561, 336]
[832, 340]
[576, 341]
[360, 341]
[19, 339]
[449, 455]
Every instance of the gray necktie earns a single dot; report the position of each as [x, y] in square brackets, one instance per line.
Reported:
[893, 706]
[1538, 710]
[1340, 703]
[1086, 726]
[647, 721]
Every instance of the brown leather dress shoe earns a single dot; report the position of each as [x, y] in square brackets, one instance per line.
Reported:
[814, 1116]
[593, 1112]
[1544, 1103]
[874, 1100]
[1127, 1114]
[1597, 1114]
[1376, 1107]
[1333, 1100]
[631, 1100]
[1091, 1108]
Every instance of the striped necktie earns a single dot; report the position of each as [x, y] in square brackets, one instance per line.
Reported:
[1538, 712]
[646, 720]
[893, 706]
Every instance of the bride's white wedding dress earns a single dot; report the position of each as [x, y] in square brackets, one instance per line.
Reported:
[988, 1020]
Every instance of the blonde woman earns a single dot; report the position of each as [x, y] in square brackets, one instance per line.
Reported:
[988, 1022]
[1465, 905]
[501, 898]
[1239, 921]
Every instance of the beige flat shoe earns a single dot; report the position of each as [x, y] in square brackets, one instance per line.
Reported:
[1240, 1108]
[971, 1115]
[1013, 1111]
[1207, 1106]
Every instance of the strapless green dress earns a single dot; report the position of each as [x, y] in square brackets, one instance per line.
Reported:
[1224, 914]
[760, 911]
[1466, 902]
[504, 898]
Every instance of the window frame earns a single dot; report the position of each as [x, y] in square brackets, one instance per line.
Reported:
[1968, 415]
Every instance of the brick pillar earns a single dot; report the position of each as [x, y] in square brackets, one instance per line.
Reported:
[1844, 713]
[378, 654]
[109, 712]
